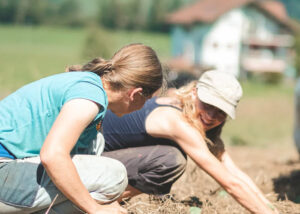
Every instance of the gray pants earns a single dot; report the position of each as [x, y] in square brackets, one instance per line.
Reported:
[151, 169]
[25, 186]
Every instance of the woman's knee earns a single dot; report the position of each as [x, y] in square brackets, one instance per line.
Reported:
[105, 178]
[117, 175]
[113, 183]
[158, 172]
[173, 158]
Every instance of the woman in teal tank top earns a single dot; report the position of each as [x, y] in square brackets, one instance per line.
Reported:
[49, 153]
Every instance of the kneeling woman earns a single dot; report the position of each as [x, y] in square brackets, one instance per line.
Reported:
[48, 155]
[153, 141]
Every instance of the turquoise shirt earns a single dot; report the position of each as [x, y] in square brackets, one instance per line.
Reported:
[27, 115]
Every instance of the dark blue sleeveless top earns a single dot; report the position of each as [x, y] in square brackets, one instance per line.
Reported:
[130, 130]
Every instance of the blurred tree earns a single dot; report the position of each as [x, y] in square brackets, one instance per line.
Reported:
[8, 9]
[98, 43]
[69, 13]
[35, 12]
[157, 14]
[21, 11]
[137, 14]
[124, 14]
[109, 13]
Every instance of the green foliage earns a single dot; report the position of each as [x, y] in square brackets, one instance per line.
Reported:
[98, 43]
[69, 14]
[113, 14]
[223, 193]
[274, 78]
[238, 141]
[23, 11]
[37, 12]
[138, 14]
[195, 210]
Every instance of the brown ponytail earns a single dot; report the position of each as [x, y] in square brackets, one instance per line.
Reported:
[98, 65]
[135, 65]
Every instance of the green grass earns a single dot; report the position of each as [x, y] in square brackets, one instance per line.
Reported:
[30, 53]
[264, 116]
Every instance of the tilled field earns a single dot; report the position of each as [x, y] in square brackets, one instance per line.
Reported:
[275, 170]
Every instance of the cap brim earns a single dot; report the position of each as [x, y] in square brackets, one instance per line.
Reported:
[206, 96]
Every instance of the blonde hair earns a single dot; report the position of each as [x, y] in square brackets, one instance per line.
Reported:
[135, 65]
[184, 94]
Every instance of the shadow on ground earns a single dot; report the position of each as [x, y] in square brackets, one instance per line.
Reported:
[288, 186]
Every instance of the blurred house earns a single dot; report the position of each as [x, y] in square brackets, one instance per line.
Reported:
[237, 36]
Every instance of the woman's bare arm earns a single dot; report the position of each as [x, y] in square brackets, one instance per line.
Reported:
[169, 123]
[235, 170]
[74, 117]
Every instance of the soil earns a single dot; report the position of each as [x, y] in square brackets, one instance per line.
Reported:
[276, 171]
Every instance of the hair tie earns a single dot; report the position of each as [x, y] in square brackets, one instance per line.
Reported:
[108, 67]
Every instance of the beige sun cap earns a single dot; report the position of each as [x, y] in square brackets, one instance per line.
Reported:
[220, 89]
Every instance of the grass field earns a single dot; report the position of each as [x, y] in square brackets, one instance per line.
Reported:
[30, 53]
[264, 116]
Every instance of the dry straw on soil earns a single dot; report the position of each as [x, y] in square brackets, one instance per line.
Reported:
[273, 170]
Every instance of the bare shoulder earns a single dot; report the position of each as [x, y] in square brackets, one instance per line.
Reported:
[160, 122]
[84, 106]
[168, 101]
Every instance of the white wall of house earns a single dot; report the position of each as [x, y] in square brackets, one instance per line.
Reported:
[264, 30]
[221, 44]
[258, 24]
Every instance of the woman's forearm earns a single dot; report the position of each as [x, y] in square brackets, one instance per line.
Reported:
[249, 182]
[239, 190]
[199, 152]
[246, 179]
[233, 169]
[63, 174]
[247, 197]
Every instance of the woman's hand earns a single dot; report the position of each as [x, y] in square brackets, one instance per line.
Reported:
[235, 170]
[172, 125]
[195, 147]
[113, 208]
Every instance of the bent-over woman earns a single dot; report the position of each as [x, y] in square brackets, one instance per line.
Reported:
[49, 157]
[154, 141]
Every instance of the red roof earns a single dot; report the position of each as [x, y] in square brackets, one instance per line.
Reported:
[275, 9]
[208, 11]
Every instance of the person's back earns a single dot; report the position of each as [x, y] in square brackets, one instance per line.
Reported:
[45, 125]
[37, 105]
[129, 130]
